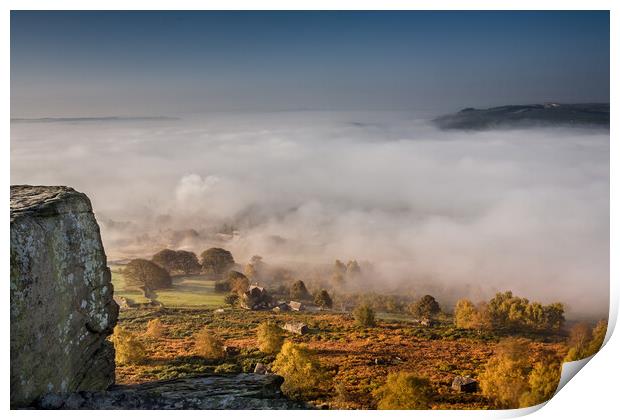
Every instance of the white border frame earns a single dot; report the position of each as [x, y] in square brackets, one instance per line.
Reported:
[593, 394]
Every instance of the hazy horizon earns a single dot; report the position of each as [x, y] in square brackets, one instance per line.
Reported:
[458, 212]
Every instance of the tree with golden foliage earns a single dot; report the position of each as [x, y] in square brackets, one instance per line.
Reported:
[543, 381]
[128, 348]
[505, 378]
[155, 328]
[464, 314]
[270, 337]
[598, 336]
[511, 382]
[469, 316]
[208, 345]
[404, 391]
[300, 368]
[237, 282]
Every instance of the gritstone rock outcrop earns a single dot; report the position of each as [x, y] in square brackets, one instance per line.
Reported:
[62, 308]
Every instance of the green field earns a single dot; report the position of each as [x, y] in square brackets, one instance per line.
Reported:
[187, 291]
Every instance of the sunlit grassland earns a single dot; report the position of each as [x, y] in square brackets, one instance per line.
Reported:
[187, 291]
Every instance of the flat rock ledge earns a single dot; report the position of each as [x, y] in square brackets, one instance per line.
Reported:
[244, 391]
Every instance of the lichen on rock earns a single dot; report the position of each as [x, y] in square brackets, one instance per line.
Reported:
[62, 308]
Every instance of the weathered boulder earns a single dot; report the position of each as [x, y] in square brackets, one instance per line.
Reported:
[62, 308]
[245, 391]
[256, 298]
[464, 384]
[260, 368]
[296, 328]
[296, 306]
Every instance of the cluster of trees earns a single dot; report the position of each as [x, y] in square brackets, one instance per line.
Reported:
[585, 341]
[177, 262]
[156, 273]
[342, 272]
[506, 311]
[378, 302]
[510, 380]
[213, 261]
[425, 308]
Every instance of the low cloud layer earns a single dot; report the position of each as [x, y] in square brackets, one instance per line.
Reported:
[526, 210]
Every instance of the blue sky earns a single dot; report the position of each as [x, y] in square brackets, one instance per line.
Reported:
[175, 63]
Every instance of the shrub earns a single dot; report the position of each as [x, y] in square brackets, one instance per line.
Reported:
[232, 299]
[127, 346]
[364, 315]
[426, 307]
[403, 391]
[222, 286]
[146, 274]
[298, 291]
[227, 368]
[270, 337]
[217, 261]
[208, 345]
[300, 369]
[155, 328]
[323, 299]
[505, 378]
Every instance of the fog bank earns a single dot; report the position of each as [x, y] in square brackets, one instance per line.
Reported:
[526, 210]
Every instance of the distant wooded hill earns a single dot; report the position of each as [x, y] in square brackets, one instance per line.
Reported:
[549, 114]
